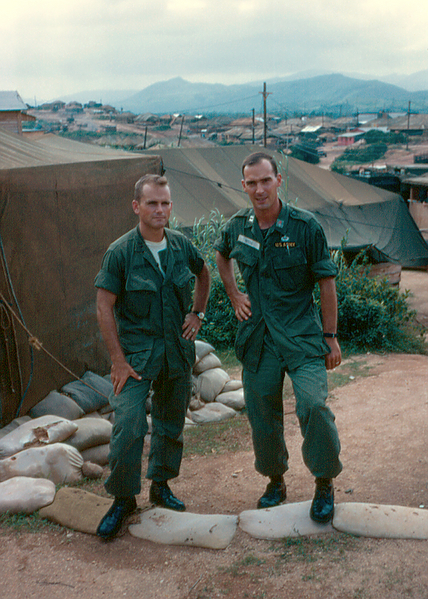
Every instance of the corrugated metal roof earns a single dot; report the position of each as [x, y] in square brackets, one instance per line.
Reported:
[11, 101]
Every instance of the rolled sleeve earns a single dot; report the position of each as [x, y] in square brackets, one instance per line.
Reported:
[109, 276]
[222, 245]
[196, 260]
[324, 268]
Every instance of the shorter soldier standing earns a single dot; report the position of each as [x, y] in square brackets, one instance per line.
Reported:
[143, 308]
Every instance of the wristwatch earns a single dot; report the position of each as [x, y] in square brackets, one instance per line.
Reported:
[200, 315]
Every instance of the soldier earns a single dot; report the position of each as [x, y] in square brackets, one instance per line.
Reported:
[144, 314]
[281, 253]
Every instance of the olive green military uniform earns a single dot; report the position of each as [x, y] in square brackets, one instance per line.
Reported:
[150, 309]
[279, 267]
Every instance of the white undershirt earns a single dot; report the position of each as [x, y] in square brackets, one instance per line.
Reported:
[155, 247]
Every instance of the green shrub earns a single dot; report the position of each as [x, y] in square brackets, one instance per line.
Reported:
[363, 154]
[373, 315]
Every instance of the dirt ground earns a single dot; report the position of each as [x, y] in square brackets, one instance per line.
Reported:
[382, 416]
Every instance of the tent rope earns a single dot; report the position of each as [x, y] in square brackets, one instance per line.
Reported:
[38, 345]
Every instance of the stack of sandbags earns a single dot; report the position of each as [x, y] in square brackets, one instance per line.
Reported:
[216, 397]
[55, 443]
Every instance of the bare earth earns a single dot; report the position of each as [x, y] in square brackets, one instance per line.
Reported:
[382, 416]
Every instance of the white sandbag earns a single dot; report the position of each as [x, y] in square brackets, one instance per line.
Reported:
[288, 520]
[232, 385]
[24, 494]
[90, 432]
[202, 349]
[91, 470]
[196, 404]
[97, 455]
[381, 521]
[35, 433]
[57, 404]
[13, 425]
[209, 361]
[213, 412]
[89, 398]
[211, 383]
[59, 463]
[93, 415]
[232, 399]
[197, 530]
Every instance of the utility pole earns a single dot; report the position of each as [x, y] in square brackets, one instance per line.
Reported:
[145, 138]
[408, 126]
[265, 95]
[254, 127]
[181, 129]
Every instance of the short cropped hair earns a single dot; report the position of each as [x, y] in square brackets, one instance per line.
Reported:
[256, 158]
[148, 180]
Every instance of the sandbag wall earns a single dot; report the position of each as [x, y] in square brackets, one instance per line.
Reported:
[66, 436]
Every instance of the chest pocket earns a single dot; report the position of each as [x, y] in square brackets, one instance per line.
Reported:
[247, 259]
[291, 269]
[182, 277]
[140, 292]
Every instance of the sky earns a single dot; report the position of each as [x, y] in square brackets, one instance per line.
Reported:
[51, 48]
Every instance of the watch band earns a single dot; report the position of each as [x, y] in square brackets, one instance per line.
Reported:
[331, 335]
[200, 315]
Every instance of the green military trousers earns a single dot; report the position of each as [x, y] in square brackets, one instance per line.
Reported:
[263, 397]
[169, 405]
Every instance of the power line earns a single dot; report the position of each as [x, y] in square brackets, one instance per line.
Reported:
[200, 108]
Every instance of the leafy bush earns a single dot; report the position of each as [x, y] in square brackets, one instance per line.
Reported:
[375, 136]
[373, 315]
[363, 154]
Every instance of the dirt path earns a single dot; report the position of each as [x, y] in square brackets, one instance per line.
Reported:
[382, 416]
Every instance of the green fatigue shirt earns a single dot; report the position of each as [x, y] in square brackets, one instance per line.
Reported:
[150, 308]
[279, 267]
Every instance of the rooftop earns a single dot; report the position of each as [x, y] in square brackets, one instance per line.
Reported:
[10, 101]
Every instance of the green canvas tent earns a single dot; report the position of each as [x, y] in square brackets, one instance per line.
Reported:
[61, 204]
[366, 216]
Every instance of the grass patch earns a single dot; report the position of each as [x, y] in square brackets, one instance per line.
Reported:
[239, 568]
[354, 367]
[228, 359]
[218, 437]
[312, 549]
[26, 523]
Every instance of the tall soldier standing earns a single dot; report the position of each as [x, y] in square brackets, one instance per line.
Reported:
[281, 253]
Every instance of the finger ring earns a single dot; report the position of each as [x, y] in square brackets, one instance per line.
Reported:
[193, 330]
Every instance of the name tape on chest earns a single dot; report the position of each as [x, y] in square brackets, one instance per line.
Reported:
[251, 242]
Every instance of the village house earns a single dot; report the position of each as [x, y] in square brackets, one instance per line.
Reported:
[13, 111]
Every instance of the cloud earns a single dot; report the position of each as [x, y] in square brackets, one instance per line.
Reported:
[52, 48]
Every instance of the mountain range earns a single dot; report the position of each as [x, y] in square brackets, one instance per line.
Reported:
[330, 93]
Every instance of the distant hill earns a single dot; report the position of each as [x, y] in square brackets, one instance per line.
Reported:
[331, 93]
